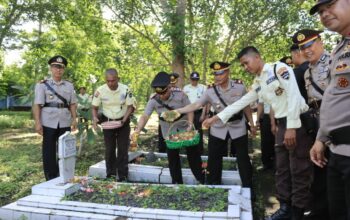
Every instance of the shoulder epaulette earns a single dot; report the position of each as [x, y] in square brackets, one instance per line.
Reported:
[176, 89]
[153, 96]
[68, 81]
[43, 81]
[210, 85]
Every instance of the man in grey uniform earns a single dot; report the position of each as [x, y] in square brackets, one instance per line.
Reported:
[316, 79]
[223, 93]
[54, 110]
[165, 99]
[276, 85]
[334, 113]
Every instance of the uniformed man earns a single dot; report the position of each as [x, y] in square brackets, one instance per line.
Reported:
[276, 85]
[174, 78]
[163, 100]
[194, 91]
[301, 65]
[316, 79]
[223, 93]
[334, 114]
[117, 102]
[54, 112]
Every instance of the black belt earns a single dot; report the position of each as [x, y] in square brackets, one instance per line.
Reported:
[56, 105]
[315, 104]
[340, 135]
[281, 120]
[235, 117]
[111, 119]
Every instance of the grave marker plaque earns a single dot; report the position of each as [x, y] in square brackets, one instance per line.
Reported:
[66, 153]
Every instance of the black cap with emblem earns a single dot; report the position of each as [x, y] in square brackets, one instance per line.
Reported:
[194, 76]
[60, 60]
[160, 82]
[314, 8]
[219, 67]
[305, 37]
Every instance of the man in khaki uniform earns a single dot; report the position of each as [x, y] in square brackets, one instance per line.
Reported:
[117, 105]
[316, 79]
[194, 91]
[334, 113]
[54, 112]
[223, 93]
[165, 99]
[276, 85]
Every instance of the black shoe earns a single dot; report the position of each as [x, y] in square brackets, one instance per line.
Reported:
[283, 213]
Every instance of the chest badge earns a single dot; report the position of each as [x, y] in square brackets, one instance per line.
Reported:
[50, 96]
[279, 91]
[343, 82]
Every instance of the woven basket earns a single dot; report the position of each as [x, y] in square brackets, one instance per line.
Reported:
[171, 144]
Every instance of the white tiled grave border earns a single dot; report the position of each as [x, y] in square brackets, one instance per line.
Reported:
[156, 174]
[45, 203]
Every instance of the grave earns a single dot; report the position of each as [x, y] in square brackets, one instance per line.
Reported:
[161, 175]
[66, 153]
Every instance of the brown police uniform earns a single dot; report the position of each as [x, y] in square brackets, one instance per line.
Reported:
[114, 105]
[235, 129]
[176, 100]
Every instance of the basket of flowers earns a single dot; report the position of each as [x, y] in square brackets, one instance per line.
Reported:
[182, 134]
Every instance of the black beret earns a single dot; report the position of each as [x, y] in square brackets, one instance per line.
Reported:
[194, 75]
[58, 60]
[287, 60]
[161, 82]
[314, 8]
[305, 37]
[219, 66]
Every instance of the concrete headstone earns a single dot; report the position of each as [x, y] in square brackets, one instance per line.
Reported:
[66, 153]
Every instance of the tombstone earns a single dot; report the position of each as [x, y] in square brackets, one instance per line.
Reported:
[66, 153]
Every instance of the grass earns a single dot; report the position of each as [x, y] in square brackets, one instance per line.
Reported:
[21, 161]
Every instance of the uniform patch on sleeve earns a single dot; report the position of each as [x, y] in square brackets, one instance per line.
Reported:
[283, 72]
[97, 94]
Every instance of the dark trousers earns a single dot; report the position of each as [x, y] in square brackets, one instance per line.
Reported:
[49, 150]
[217, 148]
[161, 142]
[294, 168]
[198, 127]
[114, 138]
[338, 177]
[267, 142]
[194, 160]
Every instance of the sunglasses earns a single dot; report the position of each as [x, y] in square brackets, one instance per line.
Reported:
[57, 66]
[219, 72]
[162, 92]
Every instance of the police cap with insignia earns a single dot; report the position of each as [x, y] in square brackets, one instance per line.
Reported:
[59, 60]
[305, 37]
[314, 8]
[194, 76]
[160, 82]
[173, 77]
[219, 67]
[287, 60]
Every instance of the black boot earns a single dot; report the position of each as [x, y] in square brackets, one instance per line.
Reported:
[283, 213]
[297, 213]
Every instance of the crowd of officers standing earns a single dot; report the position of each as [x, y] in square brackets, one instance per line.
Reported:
[302, 113]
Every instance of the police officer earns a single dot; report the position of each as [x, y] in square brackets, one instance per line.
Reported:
[276, 85]
[334, 114]
[316, 78]
[194, 91]
[165, 99]
[301, 65]
[117, 103]
[223, 93]
[174, 78]
[54, 112]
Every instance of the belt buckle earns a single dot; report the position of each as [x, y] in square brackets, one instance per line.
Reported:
[60, 105]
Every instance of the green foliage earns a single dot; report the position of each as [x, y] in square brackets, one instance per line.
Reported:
[15, 120]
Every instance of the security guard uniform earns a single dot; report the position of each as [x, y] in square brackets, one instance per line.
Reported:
[316, 78]
[276, 85]
[335, 130]
[194, 93]
[55, 115]
[176, 100]
[114, 106]
[235, 129]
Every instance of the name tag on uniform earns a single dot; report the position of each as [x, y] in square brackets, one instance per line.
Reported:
[270, 80]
